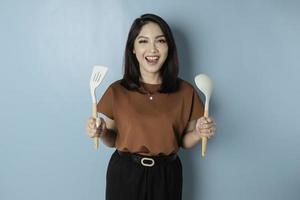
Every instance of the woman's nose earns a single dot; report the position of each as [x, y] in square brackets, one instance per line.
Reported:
[153, 47]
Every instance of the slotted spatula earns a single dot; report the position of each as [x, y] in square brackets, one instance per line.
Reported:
[205, 85]
[96, 78]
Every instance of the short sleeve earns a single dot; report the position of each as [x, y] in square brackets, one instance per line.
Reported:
[197, 108]
[105, 104]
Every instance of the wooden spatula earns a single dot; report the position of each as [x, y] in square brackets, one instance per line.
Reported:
[96, 78]
[205, 85]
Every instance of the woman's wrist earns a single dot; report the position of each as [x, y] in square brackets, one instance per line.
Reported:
[104, 133]
[108, 137]
[196, 135]
[190, 139]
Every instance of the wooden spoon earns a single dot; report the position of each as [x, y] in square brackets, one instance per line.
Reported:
[205, 85]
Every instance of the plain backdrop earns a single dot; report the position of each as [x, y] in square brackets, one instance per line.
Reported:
[249, 48]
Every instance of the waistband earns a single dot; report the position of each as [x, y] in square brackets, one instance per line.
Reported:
[147, 161]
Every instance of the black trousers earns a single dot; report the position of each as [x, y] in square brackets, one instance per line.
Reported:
[129, 180]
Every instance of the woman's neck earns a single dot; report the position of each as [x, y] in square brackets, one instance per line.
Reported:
[152, 79]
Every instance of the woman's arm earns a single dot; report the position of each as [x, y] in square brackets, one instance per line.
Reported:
[189, 139]
[196, 129]
[109, 137]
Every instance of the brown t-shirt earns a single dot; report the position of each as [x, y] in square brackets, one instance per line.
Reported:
[152, 127]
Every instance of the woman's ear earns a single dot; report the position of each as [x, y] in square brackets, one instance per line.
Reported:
[133, 51]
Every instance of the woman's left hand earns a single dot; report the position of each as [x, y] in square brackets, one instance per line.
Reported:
[205, 127]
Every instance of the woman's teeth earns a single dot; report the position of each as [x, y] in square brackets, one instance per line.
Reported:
[152, 59]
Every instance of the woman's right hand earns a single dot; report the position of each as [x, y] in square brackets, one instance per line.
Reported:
[93, 130]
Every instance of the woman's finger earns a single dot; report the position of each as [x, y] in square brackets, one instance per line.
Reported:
[98, 123]
[103, 124]
[91, 133]
[202, 120]
[210, 119]
[91, 125]
[91, 122]
[208, 130]
[204, 131]
[205, 135]
[203, 126]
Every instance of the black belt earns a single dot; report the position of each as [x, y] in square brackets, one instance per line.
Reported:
[148, 161]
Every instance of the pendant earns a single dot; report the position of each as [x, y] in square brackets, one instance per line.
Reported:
[151, 97]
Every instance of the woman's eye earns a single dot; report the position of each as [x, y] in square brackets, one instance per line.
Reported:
[142, 41]
[162, 41]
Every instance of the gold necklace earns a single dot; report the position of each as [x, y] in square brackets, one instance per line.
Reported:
[149, 94]
[151, 91]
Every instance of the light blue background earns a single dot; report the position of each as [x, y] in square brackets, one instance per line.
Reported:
[249, 48]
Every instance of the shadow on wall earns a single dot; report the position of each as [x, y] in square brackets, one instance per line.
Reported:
[191, 184]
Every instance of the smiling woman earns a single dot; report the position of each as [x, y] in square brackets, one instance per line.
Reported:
[151, 50]
[147, 116]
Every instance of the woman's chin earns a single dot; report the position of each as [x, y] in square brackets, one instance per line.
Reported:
[152, 68]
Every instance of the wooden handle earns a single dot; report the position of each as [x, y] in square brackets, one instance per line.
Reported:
[204, 139]
[204, 143]
[96, 139]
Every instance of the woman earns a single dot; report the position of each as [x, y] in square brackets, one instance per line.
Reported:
[147, 116]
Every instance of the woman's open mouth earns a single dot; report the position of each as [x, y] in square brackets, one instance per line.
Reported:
[152, 60]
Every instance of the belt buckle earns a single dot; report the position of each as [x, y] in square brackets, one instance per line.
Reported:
[149, 159]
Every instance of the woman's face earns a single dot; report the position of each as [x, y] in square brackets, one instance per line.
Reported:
[150, 48]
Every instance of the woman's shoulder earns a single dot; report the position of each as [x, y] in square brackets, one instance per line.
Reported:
[116, 85]
[185, 85]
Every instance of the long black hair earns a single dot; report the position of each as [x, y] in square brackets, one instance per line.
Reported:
[169, 70]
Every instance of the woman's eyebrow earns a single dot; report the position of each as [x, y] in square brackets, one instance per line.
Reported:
[160, 36]
[141, 36]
